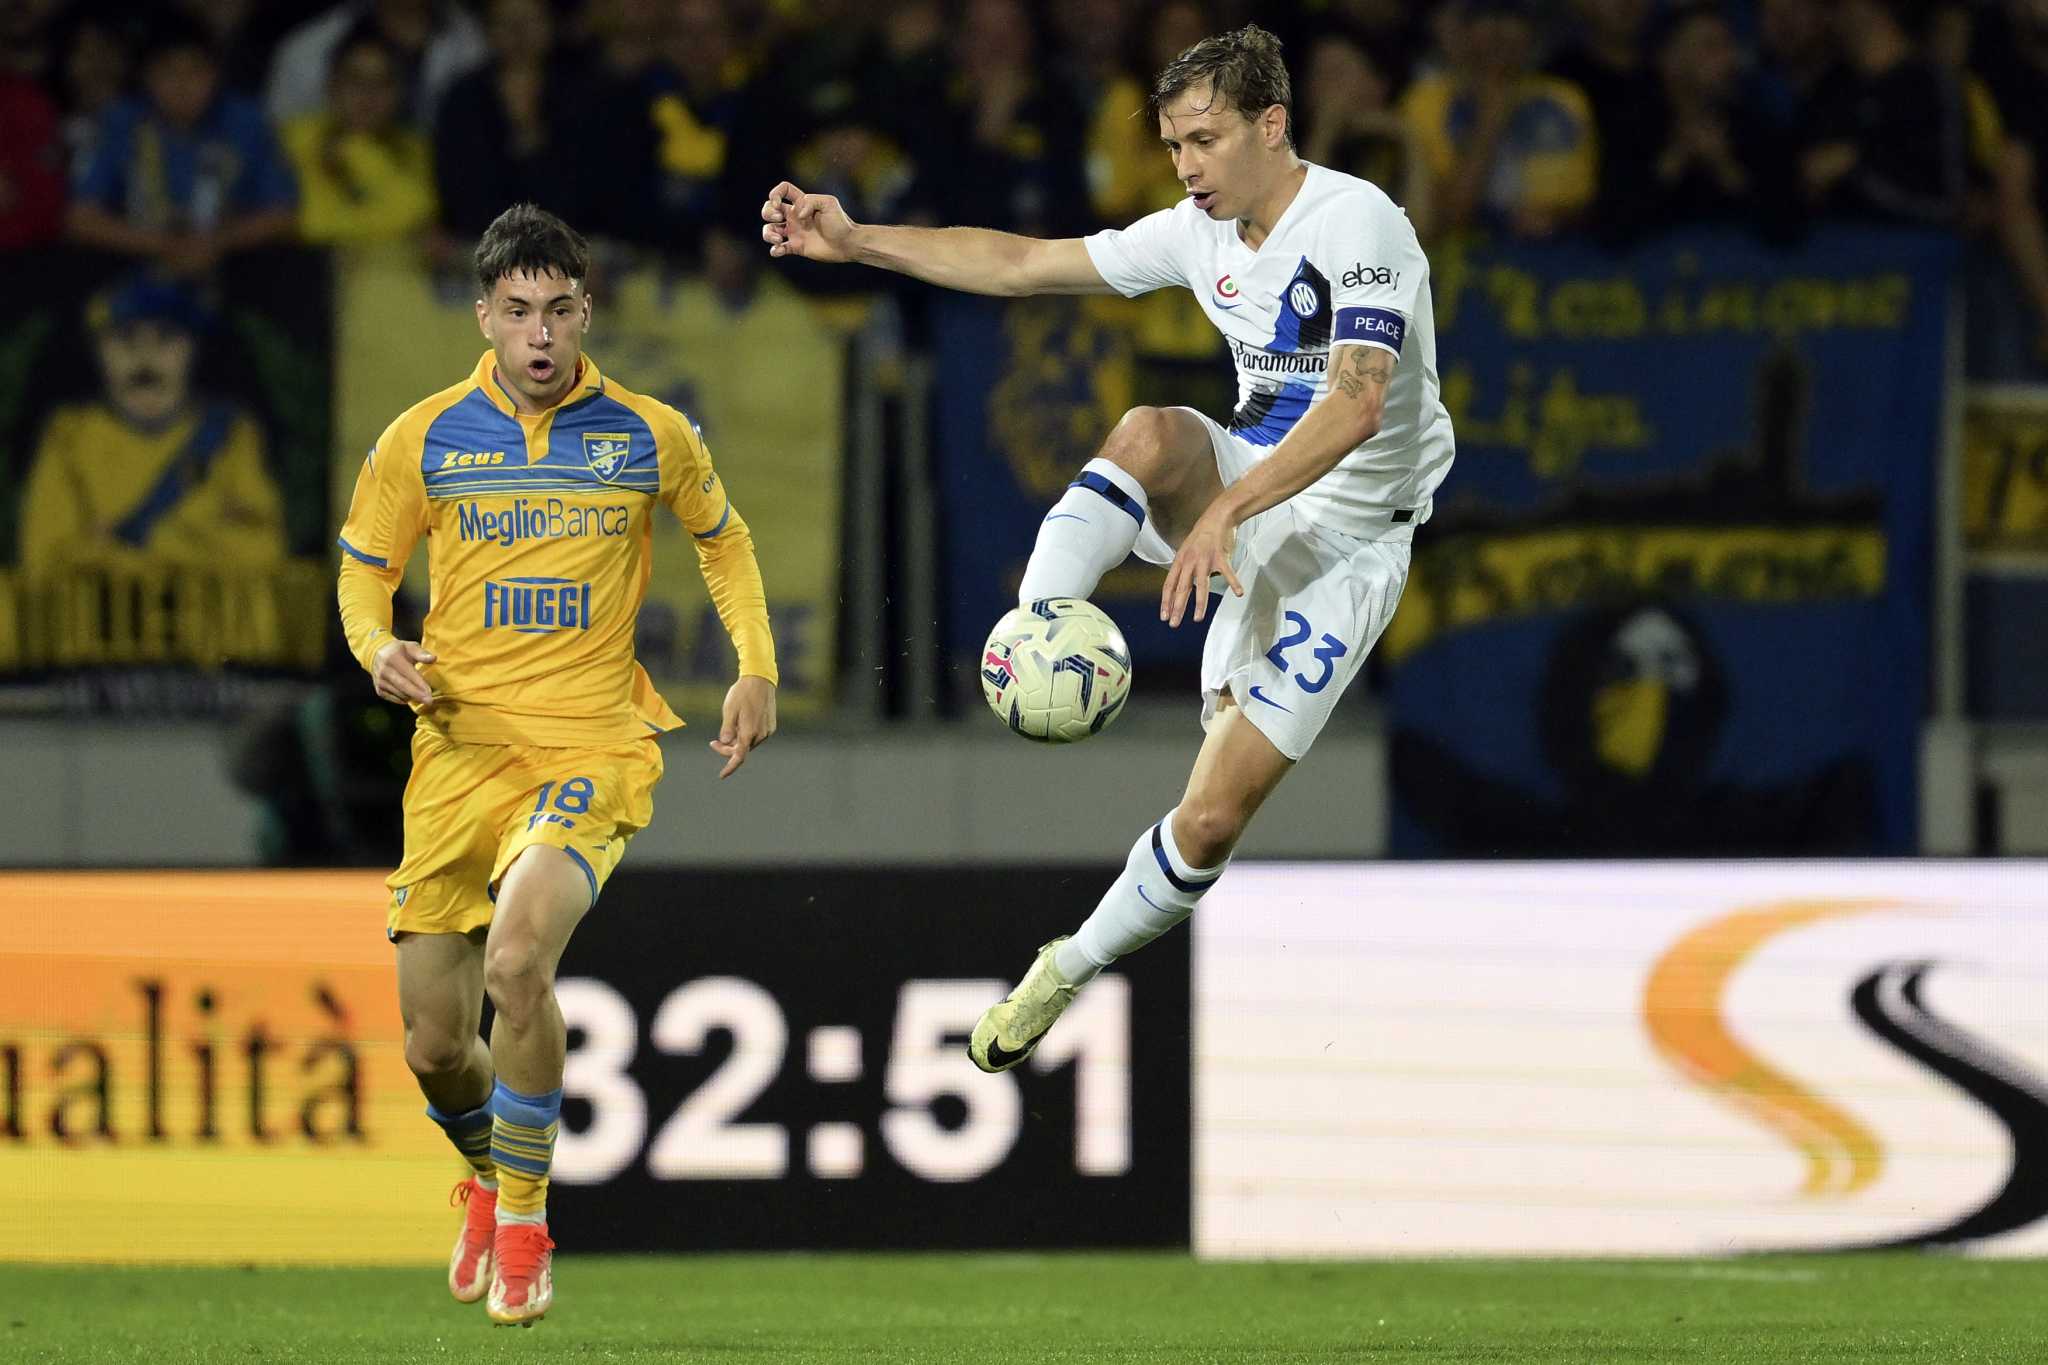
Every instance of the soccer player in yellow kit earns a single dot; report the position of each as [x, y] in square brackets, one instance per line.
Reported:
[534, 760]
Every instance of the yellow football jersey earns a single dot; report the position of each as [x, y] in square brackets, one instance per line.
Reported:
[538, 551]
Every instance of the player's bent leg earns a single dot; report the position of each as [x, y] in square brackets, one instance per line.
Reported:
[1157, 463]
[1169, 870]
[1237, 769]
[542, 897]
[440, 999]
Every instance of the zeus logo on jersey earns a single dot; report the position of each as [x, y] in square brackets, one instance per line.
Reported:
[1371, 324]
[536, 606]
[554, 519]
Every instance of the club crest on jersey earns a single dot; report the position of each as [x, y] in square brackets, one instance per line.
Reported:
[1303, 299]
[606, 451]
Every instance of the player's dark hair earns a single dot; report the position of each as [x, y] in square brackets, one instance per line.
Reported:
[1243, 69]
[528, 240]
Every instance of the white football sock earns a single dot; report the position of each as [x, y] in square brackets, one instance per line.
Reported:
[1156, 891]
[1089, 531]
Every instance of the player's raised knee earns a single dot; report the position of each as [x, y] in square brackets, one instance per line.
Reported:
[1151, 443]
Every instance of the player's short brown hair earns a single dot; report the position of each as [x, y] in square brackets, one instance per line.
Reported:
[528, 240]
[1243, 69]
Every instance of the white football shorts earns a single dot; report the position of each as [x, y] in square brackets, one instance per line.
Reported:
[1315, 601]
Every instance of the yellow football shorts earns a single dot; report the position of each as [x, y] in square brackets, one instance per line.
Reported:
[470, 809]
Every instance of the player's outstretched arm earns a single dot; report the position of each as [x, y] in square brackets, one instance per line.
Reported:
[976, 260]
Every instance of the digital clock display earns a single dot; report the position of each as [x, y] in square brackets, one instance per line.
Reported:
[778, 1058]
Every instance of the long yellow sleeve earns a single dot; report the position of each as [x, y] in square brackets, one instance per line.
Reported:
[734, 577]
[365, 593]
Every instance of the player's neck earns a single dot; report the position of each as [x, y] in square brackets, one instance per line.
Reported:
[1256, 226]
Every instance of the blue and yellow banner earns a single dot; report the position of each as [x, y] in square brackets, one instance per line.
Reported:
[1675, 595]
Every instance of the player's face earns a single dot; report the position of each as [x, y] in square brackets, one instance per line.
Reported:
[148, 369]
[1226, 160]
[535, 324]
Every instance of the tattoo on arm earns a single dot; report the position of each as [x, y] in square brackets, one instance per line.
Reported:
[1362, 364]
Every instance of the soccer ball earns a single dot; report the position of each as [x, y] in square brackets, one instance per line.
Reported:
[1056, 670]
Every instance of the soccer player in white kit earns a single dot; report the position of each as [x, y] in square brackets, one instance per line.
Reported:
[1305, 505]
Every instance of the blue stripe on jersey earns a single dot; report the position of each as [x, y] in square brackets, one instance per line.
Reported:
[370, 560]
[1302, 321]
[596, 444]
[539, 479]
[1266, 417]
[723, 518]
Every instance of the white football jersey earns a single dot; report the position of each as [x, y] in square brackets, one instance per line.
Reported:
[1342, 266]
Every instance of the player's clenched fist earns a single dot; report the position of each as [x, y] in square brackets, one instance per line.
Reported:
[813, 226]
[396, 672]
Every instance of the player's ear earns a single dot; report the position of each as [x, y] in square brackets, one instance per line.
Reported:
[483, 318]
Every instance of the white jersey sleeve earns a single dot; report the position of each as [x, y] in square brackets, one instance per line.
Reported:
[1140, 258]
[1379, 273]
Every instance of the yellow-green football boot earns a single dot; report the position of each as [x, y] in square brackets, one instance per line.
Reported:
[1010, 1029]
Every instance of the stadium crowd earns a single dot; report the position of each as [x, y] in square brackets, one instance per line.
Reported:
[184, 132]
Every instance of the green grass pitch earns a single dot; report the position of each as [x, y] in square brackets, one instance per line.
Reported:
[1070, 1308]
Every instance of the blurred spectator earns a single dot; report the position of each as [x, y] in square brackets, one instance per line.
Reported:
[1999, 61]
[186, 173]
[1607, 59]
[1507, 146]
[1886, 141]
[364, 175]
[1129, 171]
[28, 38]
[31, 165]
[1798, 52]
[1694, 152]
[1394, 33]
[95, 51]
[1024, 142]
[1349, 125]
[695, 110]
[245, 35]
[436, 42]
[611, 118]
[496, 142]
[151, 468]
[1130, 174]
[835, 105]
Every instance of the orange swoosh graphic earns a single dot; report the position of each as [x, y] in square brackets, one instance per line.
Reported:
[1682, 1009]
